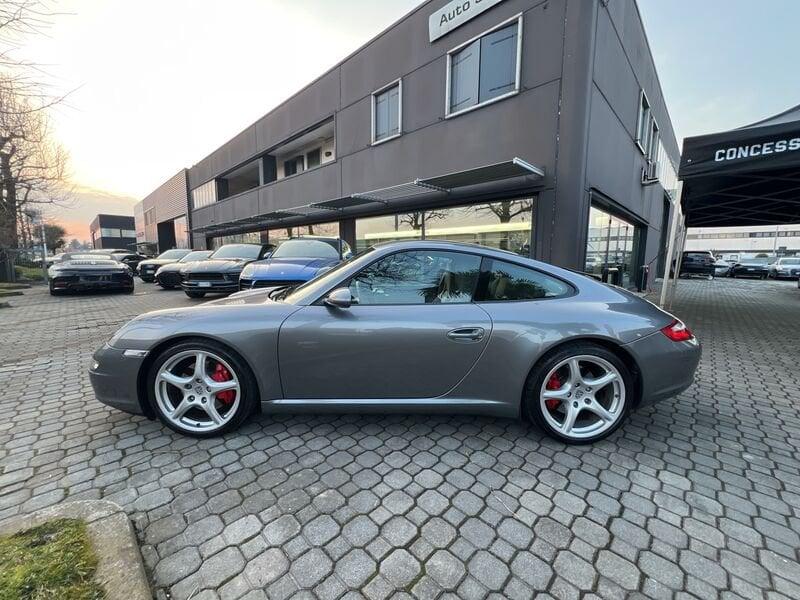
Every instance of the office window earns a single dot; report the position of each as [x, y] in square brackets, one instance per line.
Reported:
[643, 123]
[150, 216]
[293, 166]
[313, 158]
[386, 112]
[205, 194]
[484, 69]
[109, 232]
[128, 233]
[653, 141]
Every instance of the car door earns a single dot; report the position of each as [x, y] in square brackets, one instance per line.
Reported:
[413, 332]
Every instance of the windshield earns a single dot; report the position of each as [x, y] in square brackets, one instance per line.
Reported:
[756, 261]
[196, 255]
[319, 283]
[306, 249]
[238, 251]
[789, 261]
[173, 254]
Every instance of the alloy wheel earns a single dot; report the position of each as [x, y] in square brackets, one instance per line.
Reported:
[582, 396]
[197, 390]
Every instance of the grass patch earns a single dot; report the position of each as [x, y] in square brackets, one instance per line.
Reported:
[51, 562]
[32, 273]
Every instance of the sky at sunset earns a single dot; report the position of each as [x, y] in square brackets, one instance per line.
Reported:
[156, 85]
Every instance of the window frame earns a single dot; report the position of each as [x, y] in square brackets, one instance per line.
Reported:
[518, 79]
[640, 118]
[373, 97]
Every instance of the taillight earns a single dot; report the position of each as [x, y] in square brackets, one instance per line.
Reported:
[677, 332]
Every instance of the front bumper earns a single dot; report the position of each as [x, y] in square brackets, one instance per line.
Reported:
[114, 377]
[667, 368]
[147, 274]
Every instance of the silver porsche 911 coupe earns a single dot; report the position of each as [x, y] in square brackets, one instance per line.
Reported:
[406, 327]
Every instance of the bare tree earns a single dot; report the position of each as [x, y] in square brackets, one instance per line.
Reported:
[414, 220]
[506, 210]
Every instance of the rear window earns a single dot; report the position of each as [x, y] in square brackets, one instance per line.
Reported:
[509, 282]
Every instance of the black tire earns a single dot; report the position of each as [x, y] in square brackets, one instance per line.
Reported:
[248, 401]
[536, 380]
[195, 294]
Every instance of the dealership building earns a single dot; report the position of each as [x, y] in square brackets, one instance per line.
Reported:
[534, 126]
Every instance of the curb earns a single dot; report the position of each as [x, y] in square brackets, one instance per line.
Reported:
[119, 563]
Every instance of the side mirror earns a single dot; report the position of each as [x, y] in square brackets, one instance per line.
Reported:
[340, 298]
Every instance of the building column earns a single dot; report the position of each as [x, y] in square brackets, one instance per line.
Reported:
[347, 231]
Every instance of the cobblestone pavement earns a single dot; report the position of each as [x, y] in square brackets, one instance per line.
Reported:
[699, 495]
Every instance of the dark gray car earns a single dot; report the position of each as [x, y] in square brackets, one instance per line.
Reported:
[406, 326]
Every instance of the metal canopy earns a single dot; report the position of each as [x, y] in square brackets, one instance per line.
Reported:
[746, 176]
[515, 167]
[433, 187]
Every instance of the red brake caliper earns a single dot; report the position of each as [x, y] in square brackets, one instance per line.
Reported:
[222, 374]
[554, 383]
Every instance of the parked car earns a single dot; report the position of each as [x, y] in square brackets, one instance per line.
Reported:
[787, 267]
[147, 268]
[169, 276]
[81, 271]
[408, 326]
[220, 272]
[721, 268]
[697, 263]
[131, 259]
[751, 267]
[294, 261]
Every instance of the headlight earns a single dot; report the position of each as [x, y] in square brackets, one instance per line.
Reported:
[248, 271]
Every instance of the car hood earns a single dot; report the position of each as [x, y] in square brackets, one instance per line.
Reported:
[219, 319]
[289, 268]
[217, 265]
[156, 261]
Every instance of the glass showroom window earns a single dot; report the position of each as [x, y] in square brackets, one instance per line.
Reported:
[612, 243]
[109, 232]
[254, 237]
[484, 69]
[506, 225]
[330, 229]
[405, 226]
[387, 112]
[205, 194]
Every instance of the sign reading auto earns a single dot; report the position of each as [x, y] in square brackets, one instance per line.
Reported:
[454, 14]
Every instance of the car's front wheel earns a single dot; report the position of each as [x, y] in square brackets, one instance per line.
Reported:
[580, 393]
[201, 388]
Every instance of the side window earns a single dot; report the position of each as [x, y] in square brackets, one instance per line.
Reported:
[418, 277]
[507, 281]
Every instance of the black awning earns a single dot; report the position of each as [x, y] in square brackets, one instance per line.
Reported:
[746, 176]
[515, 167]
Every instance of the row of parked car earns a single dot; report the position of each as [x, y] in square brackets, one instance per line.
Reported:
[762, 267]
[235, 267]
[230, 268]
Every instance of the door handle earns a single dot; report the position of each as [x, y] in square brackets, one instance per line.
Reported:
[468, 334]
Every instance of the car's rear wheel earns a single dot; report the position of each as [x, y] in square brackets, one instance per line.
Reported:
[195, 294]
[201, 388]
[580, 394]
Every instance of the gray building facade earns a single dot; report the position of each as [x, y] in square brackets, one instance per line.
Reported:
[115, 232]
[162, 217]
[533, 126]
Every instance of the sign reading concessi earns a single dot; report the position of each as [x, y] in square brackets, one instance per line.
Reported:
[758, 149]
[454, 14]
